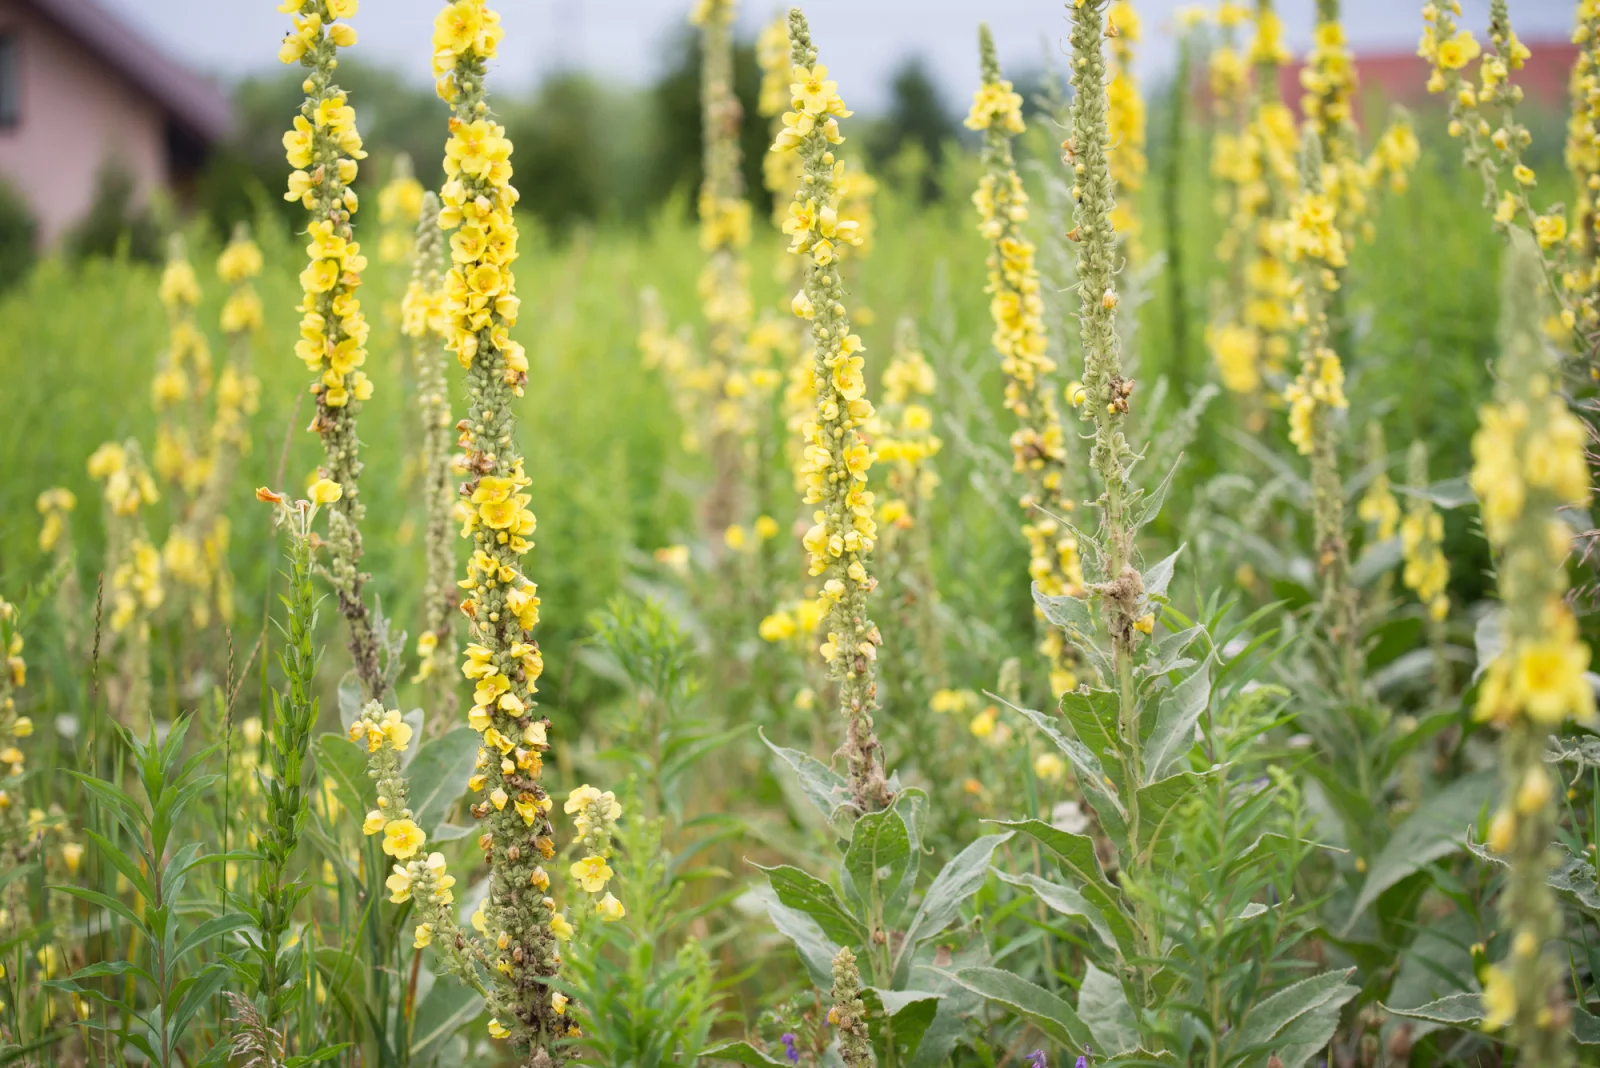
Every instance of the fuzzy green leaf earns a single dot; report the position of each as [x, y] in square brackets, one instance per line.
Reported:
[448, 1008]
[339, 759]
[1034, 1003]
[1295, 1022]
[805, 892]
[741, 1053]
[1159, 576]
[1173, 734]
[1092, 778]
[1104, 1010]
[955, 883]
[438, 775]
[1458, 1010]
[823, 787]
[875, 864]
[911, 1012]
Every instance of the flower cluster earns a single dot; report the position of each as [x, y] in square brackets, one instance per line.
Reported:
[1016, 305]
[55, 506]
[837, 457]
[422, 318]
[324, 150]
[134, 563]
[183, 378]
[427, 883]
[1316, 243]
[1583, 161]
[902, 432]
[399, 207]
[1528, 463]
[1256, 165]
[386, 735]
[13, 728]
[594, 815]
[1125, 113]
[1426, 572]
[1495, 149]
[501, 603]
[1329, 80]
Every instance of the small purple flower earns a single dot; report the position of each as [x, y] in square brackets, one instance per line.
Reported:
[1084, 1057]
[1036, 1060]
[789, 1048]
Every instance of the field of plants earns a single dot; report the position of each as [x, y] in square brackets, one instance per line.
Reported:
[1120, 593]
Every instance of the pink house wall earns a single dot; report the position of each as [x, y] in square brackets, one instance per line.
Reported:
[76, 115]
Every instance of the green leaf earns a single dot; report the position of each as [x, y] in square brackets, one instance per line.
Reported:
[212, 928]
[1093, 718]
[1104, 1010]
[875, 864]
[1446, 493]
[206, 986]
[1173, 735]
[1092, 780]
[317, 1056]
[438, 775]
[1294, 1023]
[1074, 851]
[1071, 614]
[350, 701]
[1069, 901]
[1377, 559]
[1159, 577]
[1157, 804]
[957, 881]
[823, 787]
[1150, 503]
[94, 897]
[815, 949]
[448, 1008]
[122, 862]
[741, 1053]
[1033, 1003]
[810, 895]
[1436, 829]
[341, 760]
[911, 1011]
[1459, 1010]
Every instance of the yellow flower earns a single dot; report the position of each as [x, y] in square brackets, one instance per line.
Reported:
[592, 873]
[610, 908]
[1049, 767]
[326, 491]
[558, 1001]
[402, 839]
[497, 1029]
[560, 927]
[983, 724]
[399, 885]
[424, 935]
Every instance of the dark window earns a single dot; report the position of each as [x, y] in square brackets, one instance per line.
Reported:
[10, 80]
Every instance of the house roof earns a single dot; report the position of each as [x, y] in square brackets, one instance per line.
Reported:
[195, 103]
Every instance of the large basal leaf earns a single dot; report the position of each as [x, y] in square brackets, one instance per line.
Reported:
[339, 759]
[741, 1053]
[875, 865]
[1290, 1021]
[805, 892]
[824, 788]
[908, 1012]
[446, 1009]
[439, 774]
[955, 883]
[1032, 1002]
[1104, 1010]
[1436, 829]
[1173, 735]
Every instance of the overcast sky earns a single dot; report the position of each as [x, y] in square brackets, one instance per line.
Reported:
[861, 40]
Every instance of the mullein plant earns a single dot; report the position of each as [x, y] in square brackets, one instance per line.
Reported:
[724, 283]
[902, 435]
[1528, 464]
[501, 603]
[1317, 401]
[55, 506]
[1426, 571]
[196, 550]
[136, 588]
[423, 320]
[1016, 305]
[324, 150]
[1253, 338]
[15, 842]
[1483, 115]
[180, 385]
[1133, 748]
[844, 530]
[399, 205]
